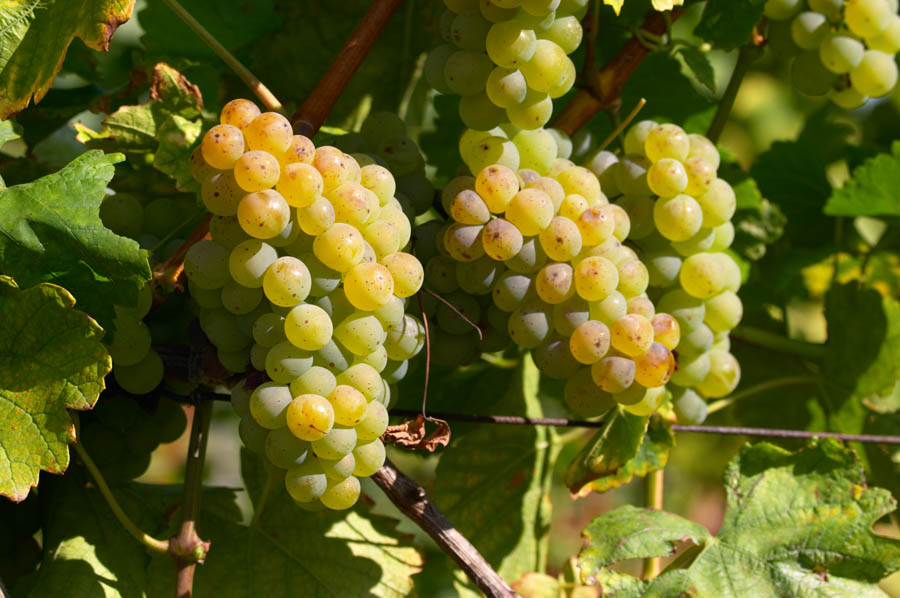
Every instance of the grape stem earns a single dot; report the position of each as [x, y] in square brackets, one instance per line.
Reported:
[455, 310]
[256, 86]
[261, 502]
[167, 273]
[603, 88]
[622, 125]
[747, 55]
[312, 113]
[142, 537]
[762, 387]
[186, 548]
[412, 500]
[777, 342]
[653, 499]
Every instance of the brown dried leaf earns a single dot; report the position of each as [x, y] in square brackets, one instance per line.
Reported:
[412, 434]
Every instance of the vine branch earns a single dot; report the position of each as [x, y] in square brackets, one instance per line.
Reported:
[411, 499]
[312, 113]
[142, 537]
[186, 548]
[746, 57]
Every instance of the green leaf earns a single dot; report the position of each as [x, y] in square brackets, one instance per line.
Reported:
[608, 451]
[53, 360]
[7, 132]
[652, 455]
[493, 485]
[34, 37]
[177, 137]
[728, 24]
[52, 232]
[699, 64]
[873, 190]
[797, 524]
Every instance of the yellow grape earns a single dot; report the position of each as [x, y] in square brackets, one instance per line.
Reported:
[334, 165]
[552, 188]
[580, 180]
[308, 327]
[301, 150]
[316, 218]
[595, 278]
[666, 330]
[632, 335]
[561, 239]
[200, 170]
[368, 286]
[287, 282]
[379, 180]
[263, 214]
[572, 206]
[655, 367]
[554, 283]
[221, 194]
[256, 170]
[667, 141]
[394, 214]
[348, 403]
[341, 495]
[530, 210]
[382, 236]
[353, 204]
[270, 132]
[365, 379]
[310, 417]
[300, 184]
[501, 239]
[613, 373]
[497, 185]
[340, 247]
[589, 342]
[222, 146]
[596, 224]
[407, 272]
[468, 208]
[463, 242]
[360, 333]
[238, 113]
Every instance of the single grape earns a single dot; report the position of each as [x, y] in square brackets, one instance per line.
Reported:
[562, 238]
[888, 41]
[506, 87]
[501, 240]
[809, 76]
[530, 324]
[655, 367]
[341, 495]
[677, 218]
[369, 456]
[406, 272]
[554, 359]
[269, 132]
[554, 283]
[466, 72]
[434, 66]
[300, 184]
[596, 224]
[285, 361]
[335, 444]
[249, 261]
[595, 278]
[667, 177]
[496, 186]
[690, 408]
[287, 282]
[866, 18]
[263, 214]
[613, 374]
[589, 342]
[477, 278]
[309, 417]
[131, 342]
[360, 333]
[724, 311]
[809, 29]
[637, 136]
[284, 450]
[692, 369]
[533, 112]
[238, 113]
[239, 299]
[368, 286]
[840, 53]
[632, 335]
[701, 147]
[316, 380]
[268, 404]
[468, 208]
[778, 10]
[300, 150]
[633, 277]
[222, 146]
[531, 211]
[206, 264]
[667, 141]
[537, 149]
[875, 75]
[702, 275]
[509, 45]
[256, 170]
[306, 482]
[666, 330]
[638, 400]
[123, 214]
[723, 377]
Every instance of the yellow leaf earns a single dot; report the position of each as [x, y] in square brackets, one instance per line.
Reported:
[616, 4]
[662, 5]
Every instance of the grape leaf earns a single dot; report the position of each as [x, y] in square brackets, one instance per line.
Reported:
[872, 190]
[727, 24]
[699, 64]
[53, 361]
[653, 454]
[493, 484]
[797, 524]
[609, 450]
[34, 37]
[8, 132]
[52, 233]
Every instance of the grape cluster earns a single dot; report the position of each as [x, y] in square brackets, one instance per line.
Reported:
[680, 214]
[537, 149]
[844, 48]
[548, 251]
[305, 277]
[508, 59]
[137, 367]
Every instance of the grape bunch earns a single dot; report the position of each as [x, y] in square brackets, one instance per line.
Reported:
[843, 48]
[537, 149]
[304, 277]
[680, 214]
[548, 250]
[507, 59]
[153, 223]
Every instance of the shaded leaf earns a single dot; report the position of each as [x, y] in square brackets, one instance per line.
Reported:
[537, 585]
[53, 360]
[441, 144]
[699, 64]
[34, 37]
[873, 190]
[797, 524]
[728, 24]
[652, 455]
[609, 450]
[8, 132]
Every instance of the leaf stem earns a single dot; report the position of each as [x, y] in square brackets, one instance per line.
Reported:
[761, 387]
[746, 56]
[653, 499]
[142, 537]
[262, 92]
[777, 342]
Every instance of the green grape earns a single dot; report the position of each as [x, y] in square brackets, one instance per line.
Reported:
[724, 235]
[469, 29]
[809, 76]
[533, 112]
[631, 335]
[552, 188]
[692, 369]
[531, 211]
[206, 265]
[506, 87]
[667, 141]
[258, 355]
[289, 235]
[131, 342]
[701, 147]
[569, 315]
[554, 283]
[268, 404]
[466, 72]
[348, 403]
[530, 324]
[537, 149]
[433, 69]
[641, 401]
[463, 242]
[490, 150]
[122, 213]
[847, 98]
[595, 278]
[263, 214]
[284, 450]
[377, 358]
[379, 126]
[655, 367]
[545, 69]
[369, 457]
[495, 186]
[724, 311]
[268, 329]
[888, 41]
[249, 261]
[478, 112]
[723, 377]
[222, 146]
[601, 164]
[200, 170]
[630, 175]
[287, 282]
[239, 299]
[866, 18]
[830, 8]
[440, 274]
[454, 349]
[493, 12]
[340, 469]
[395, 215]
[306, 482]
[584, 397]
[697, 340]
[269, 132]
[501, 240]
[509, 45]
[309, 417]
[221, 194]
[368, 286]
[511, 289]
[335, 444]
[323, 279]
[662, 268]
[285, 361]
[589, 342]
[581, 181]
[308, 327]
[840, 53]
[365, 379]
[561, 240]
[316, 380]
[778, 10]
[143, 376]
[393, 372]
[468, 208]
[240, 399]
[637, 136]
[690, 408]
[226, 231]
[360, 333]
[476, 278]
[529, 259]
[613, 374]
[875, 75]
[702, 275]
[667, 177]
[809, 29]
[449, 319]
[643, 306]
[252, 435]
[666, 330]
[554, 359]
[223, 331]
[256, 170]
[341, 495]
[633, 277]
[317, 217]
[677, 218]
[300, 150]
[565, 31]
